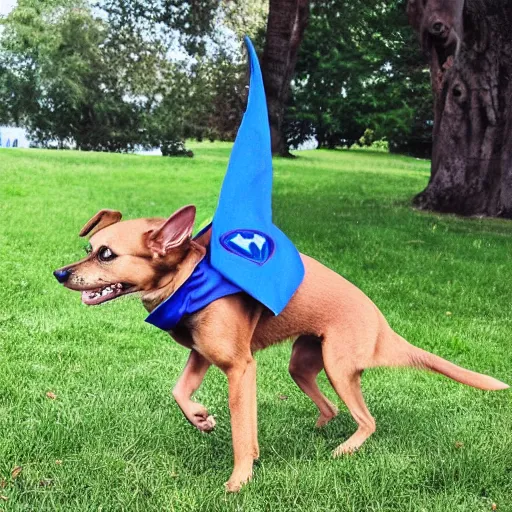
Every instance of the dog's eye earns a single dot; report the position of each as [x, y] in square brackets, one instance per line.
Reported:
[105, 254]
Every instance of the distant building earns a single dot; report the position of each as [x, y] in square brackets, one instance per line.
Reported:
[12, 137]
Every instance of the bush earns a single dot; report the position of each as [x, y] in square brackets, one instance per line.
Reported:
[175, 148]
[367, 142]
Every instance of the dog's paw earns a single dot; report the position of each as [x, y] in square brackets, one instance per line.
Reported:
[344, 449]
[324, 419]
[354, 442]
[234, 484]
[199, 417]
[204, 422]
[209, 424]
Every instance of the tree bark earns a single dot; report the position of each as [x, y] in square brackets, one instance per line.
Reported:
[470, 52]
[287, 21]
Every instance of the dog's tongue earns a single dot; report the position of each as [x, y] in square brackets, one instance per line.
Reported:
[90, 301]
[85, 297]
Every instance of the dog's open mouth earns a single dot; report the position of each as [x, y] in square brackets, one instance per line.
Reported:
[106, 293]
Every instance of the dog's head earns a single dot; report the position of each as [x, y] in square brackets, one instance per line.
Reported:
[142, 255]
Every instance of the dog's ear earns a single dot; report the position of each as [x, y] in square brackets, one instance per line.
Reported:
[101, 220]
[175, 231]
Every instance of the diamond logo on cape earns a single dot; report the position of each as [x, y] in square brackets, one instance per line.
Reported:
[247, 243]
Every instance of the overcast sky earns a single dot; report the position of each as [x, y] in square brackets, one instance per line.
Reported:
[6, 6]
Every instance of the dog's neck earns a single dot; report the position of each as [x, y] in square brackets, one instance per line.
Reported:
[172, 280]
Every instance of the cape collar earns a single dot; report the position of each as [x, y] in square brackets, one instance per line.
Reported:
[199, 285]
[203, 286]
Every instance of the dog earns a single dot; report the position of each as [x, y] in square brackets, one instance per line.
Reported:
[336, 327]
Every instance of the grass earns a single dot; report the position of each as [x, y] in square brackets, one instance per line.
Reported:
[113, 439]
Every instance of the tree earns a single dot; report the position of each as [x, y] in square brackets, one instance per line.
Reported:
[225, 83]
[190, 28]
[358, 68]
[398, 105]
[64, 86]
[329, 70]
[72, 80]
[287, 21]
[202, 91]
[470, 53]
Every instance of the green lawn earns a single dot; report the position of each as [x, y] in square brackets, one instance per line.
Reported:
[442, 282]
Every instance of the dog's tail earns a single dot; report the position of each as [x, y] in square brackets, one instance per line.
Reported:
[398, 352]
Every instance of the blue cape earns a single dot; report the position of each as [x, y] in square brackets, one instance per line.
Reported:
[246, 247]
[246, 250]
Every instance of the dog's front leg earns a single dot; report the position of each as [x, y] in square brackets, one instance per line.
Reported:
[187, 385]
[242, 398]
[222, 333]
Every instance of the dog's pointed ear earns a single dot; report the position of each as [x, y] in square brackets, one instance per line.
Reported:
[175, 231]
[101, 220]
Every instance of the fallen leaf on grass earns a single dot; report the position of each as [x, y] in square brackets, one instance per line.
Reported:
[51, 395]
[459, 444]
[3, 498]
[283, 397]
[494, 506]
[58, 461]
[3, 483]
[448, 313]
[45, 483]
[16, 472]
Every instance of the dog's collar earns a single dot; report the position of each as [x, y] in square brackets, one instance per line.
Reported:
[202, 287]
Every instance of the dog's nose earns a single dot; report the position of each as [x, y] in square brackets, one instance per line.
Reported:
[62, 275]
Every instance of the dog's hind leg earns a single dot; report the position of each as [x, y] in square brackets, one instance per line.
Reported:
[345, 377]
[305, 365]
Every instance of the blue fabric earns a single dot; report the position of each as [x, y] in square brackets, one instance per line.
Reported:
[247, 251]
[246, 247]
[203, 286]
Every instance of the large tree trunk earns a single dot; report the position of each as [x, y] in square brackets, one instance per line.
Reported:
[470, 50]
[287, 20]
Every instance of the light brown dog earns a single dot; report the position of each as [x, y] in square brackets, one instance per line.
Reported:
[335, 326]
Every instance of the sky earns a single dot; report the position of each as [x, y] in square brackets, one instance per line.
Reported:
[6, 6]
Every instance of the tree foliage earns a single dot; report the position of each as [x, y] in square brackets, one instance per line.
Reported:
[358, 68]
[203, 41]
[116, 74]
[107, 79]
[172, 22]
[66, 86]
